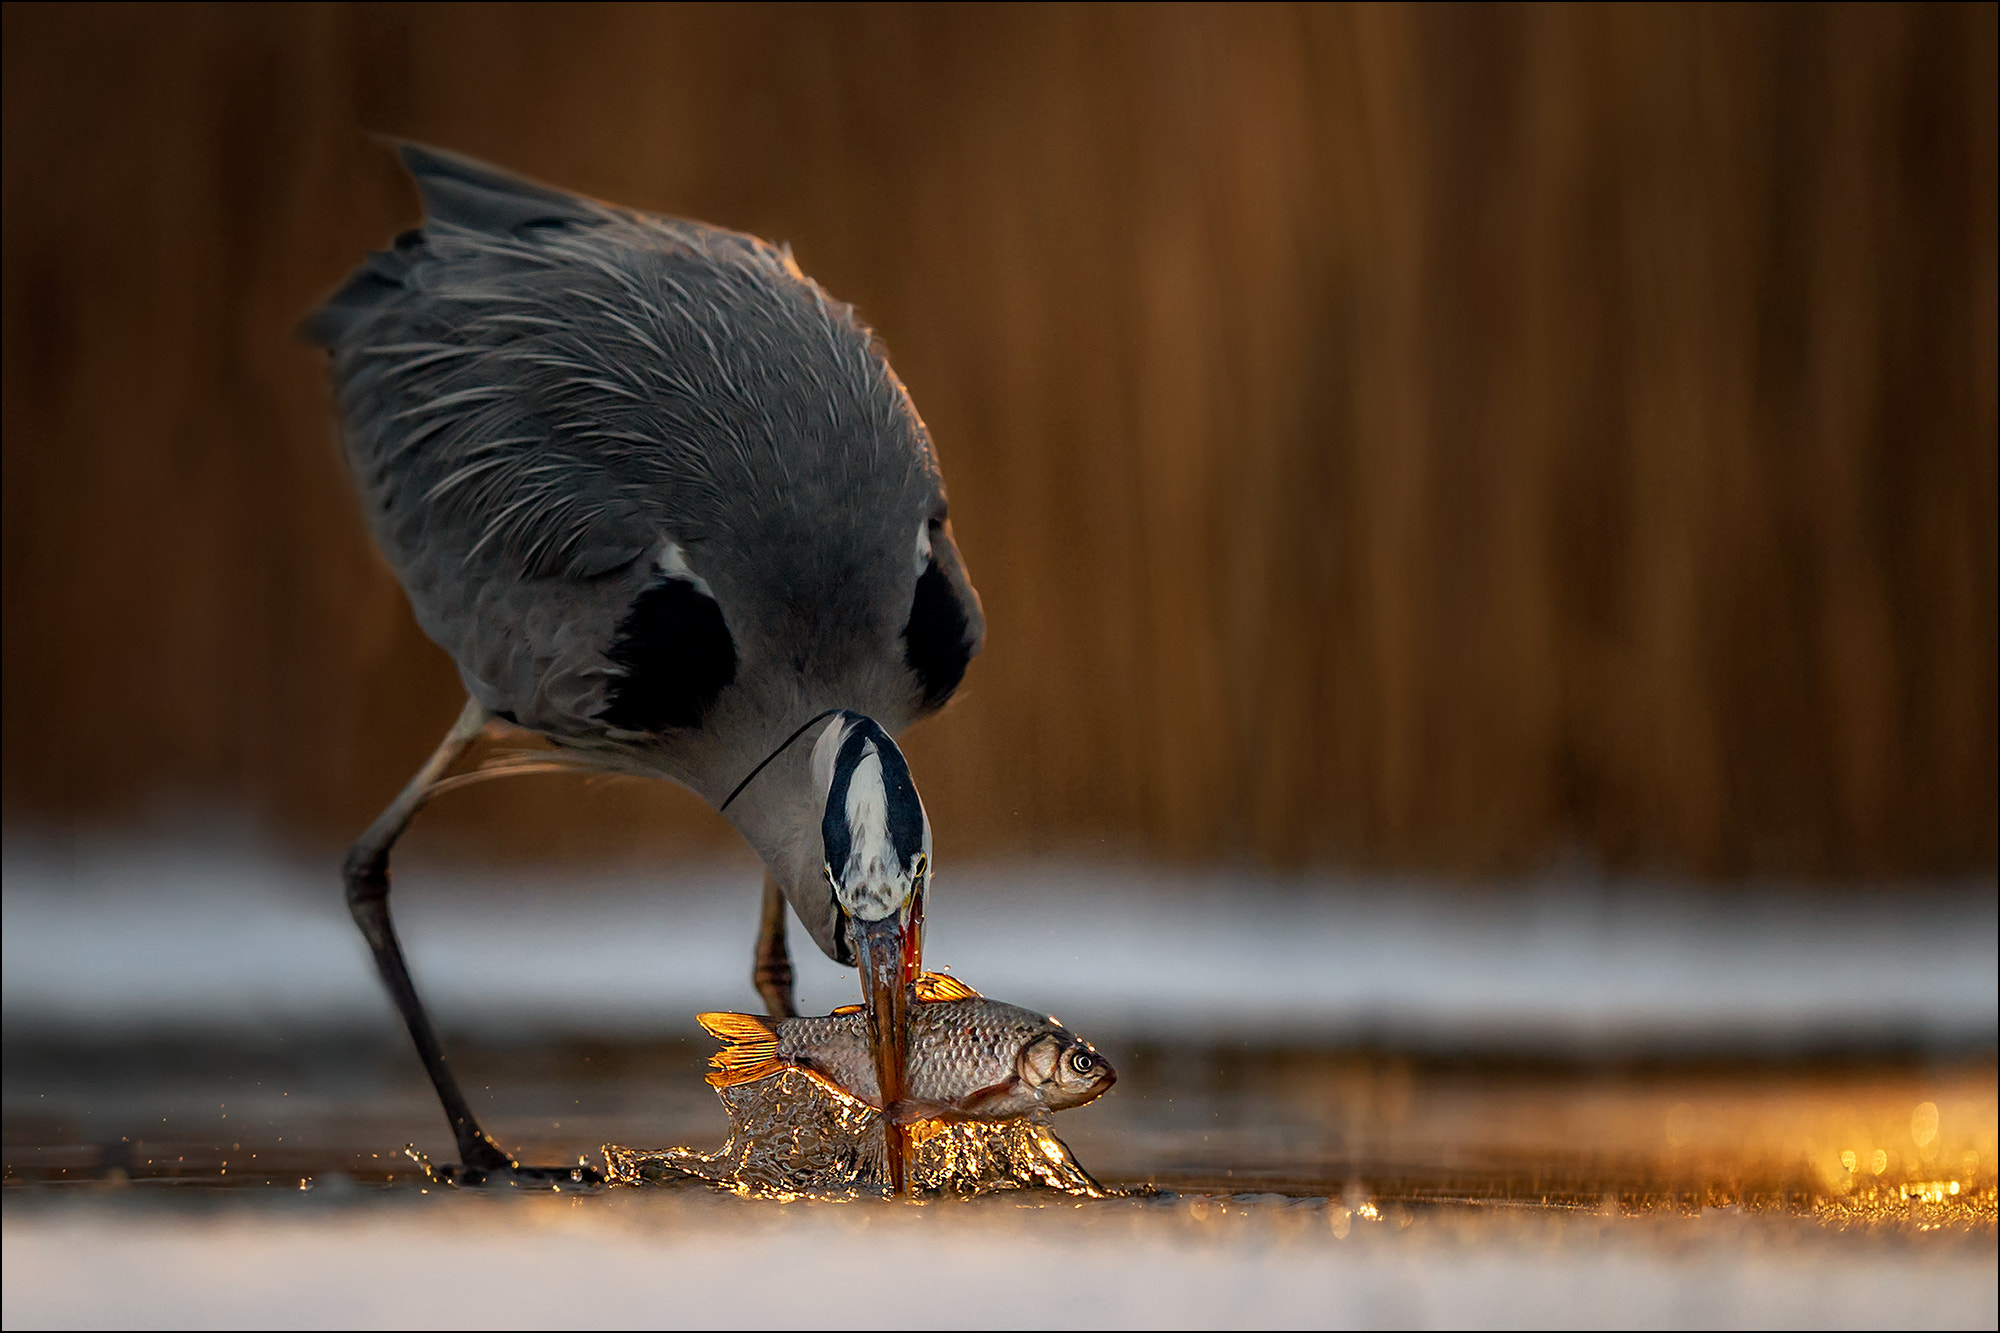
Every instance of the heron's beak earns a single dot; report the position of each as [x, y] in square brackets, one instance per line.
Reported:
[890, 955]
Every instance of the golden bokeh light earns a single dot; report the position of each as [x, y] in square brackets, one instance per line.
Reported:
[1924, 1124]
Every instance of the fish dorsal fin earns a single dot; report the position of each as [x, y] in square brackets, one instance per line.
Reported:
[749, 1049]
[936, 987]
[848, 1009]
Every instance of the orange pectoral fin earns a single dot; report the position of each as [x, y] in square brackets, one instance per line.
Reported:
[749, 1051]
[911, 1112]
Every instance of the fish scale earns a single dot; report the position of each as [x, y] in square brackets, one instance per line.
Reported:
[962, 1044]
[970, 1057]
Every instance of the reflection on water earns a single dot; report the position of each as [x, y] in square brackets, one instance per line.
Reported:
[792, 1135]
[1899, 1142]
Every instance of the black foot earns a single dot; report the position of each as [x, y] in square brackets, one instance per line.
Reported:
[498, 1171]
[516, 1176]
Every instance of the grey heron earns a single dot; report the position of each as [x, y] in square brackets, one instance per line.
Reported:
[665, 504]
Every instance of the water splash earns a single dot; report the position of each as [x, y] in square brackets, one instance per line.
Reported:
[794, 1136]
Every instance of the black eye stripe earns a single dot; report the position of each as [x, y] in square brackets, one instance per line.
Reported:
[833, 825]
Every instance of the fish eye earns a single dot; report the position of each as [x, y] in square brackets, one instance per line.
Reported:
[1082, 1062]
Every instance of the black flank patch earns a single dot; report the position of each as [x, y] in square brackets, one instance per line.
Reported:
[677, 656]
[935, 641]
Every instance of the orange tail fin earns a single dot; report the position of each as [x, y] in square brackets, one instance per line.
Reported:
[749, 1049]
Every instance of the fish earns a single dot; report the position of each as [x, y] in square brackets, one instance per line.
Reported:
[971, 1058]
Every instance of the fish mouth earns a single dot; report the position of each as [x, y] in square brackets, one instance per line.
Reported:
[889, 953]
[1095, 1090]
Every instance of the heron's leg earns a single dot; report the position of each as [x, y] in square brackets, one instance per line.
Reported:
[367, 876]
[773, 971]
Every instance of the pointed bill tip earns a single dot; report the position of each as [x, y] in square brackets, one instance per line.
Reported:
[883, 950]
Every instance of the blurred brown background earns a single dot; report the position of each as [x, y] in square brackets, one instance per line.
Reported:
[1445, 438]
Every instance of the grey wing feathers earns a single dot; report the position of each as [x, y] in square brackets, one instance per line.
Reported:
[457, 192]
[539, 390]
[542, 388]
[378, 280]
[461, 192]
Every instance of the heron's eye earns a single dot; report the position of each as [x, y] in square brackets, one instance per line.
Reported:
[1082, 1062]
[919, 867]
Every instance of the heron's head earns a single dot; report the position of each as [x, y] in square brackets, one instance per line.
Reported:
[877, 842]
[876, 836]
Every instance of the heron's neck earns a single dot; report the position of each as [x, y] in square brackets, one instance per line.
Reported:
[779, 815]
